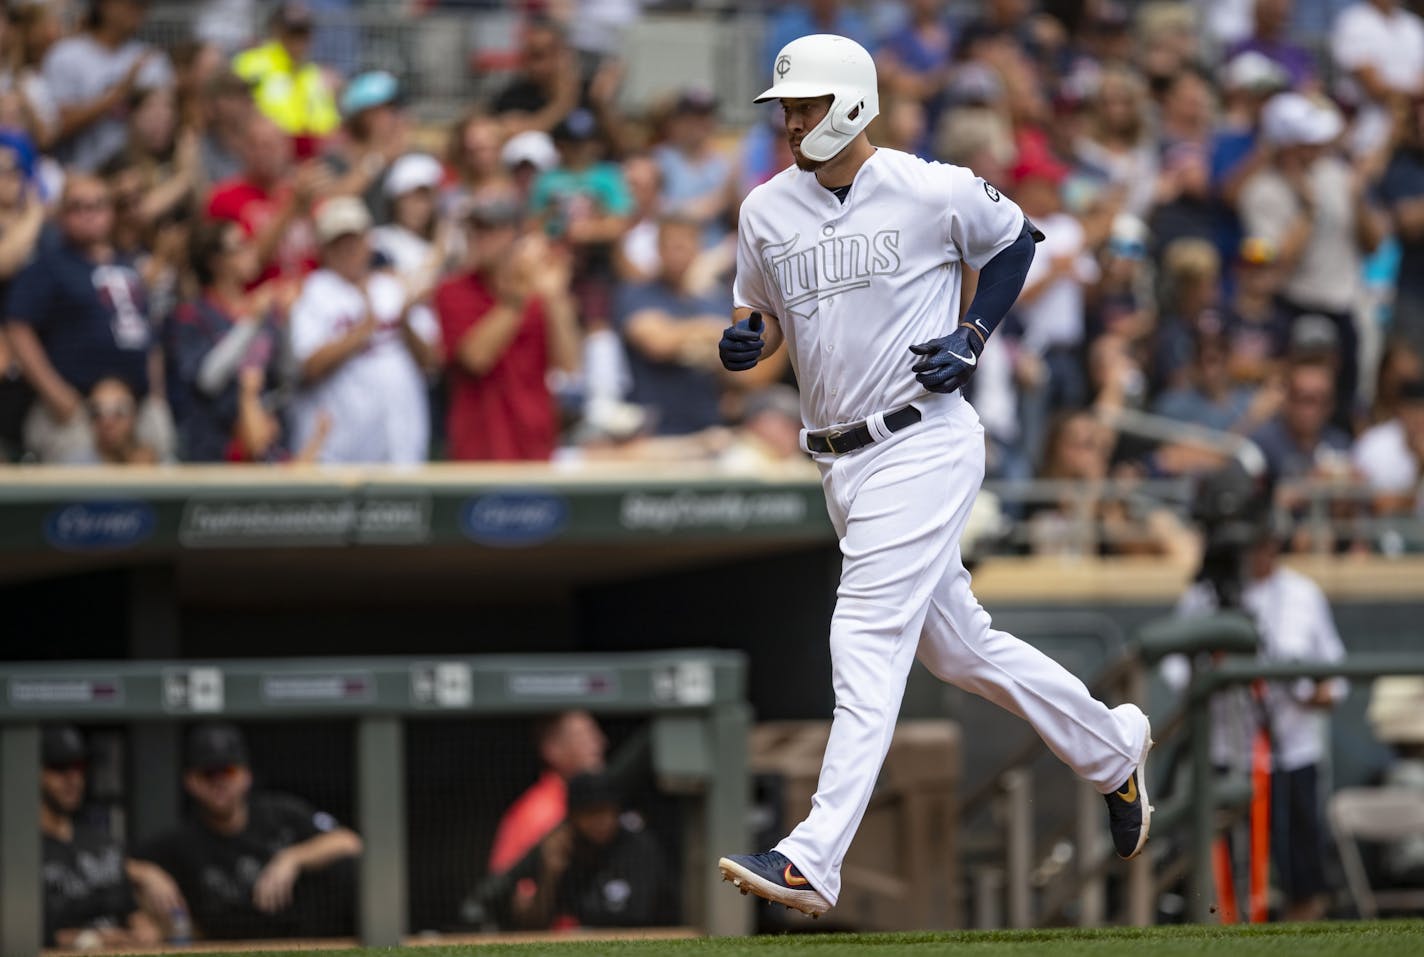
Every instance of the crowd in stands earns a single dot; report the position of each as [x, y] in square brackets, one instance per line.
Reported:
[229, 251]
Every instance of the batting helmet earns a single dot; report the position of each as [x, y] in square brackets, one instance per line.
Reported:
[825, 64]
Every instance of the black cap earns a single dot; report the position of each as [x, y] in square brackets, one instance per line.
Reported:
[697, 100]
[62, 745]
[592, 790]
[213, 746]
[578, 127]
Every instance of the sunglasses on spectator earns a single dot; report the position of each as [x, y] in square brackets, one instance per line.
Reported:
[87, 205]
[77, 767]
[217, 774]
[118, 409]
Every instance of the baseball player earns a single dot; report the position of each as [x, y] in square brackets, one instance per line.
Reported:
[853, 260]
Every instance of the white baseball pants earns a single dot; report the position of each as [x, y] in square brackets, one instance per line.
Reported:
[899, 507]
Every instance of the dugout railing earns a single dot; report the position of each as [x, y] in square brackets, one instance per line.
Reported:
[1027, 886]
[694, 703]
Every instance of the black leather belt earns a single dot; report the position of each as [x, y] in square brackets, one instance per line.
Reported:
[852, 437]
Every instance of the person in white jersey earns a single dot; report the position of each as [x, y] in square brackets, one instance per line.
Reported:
[853, 259]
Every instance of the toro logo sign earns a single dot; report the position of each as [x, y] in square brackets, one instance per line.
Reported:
[514, 519]
[99, 526]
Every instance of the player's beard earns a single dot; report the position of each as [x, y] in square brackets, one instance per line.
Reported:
[803, 162]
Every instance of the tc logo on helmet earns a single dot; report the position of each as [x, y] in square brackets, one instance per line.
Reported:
[783, 66]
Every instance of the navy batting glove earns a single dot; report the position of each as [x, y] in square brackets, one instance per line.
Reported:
[947, 362]
[741, 344]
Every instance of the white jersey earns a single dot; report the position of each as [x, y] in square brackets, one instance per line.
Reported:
[376, 399]
[855, 284]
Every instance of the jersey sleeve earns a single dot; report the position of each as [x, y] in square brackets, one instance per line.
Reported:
[311, 324]
[980, 221]
[750, 287]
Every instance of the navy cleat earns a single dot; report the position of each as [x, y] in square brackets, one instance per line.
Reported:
[1129, 812]
[772, 877]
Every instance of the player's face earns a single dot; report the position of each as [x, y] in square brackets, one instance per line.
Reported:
[219, 791]
[801, 116]
[62, 788]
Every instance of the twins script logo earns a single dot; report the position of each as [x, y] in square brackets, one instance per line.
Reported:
[834, 265]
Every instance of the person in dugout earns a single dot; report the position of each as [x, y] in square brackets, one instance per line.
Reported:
[254, 864]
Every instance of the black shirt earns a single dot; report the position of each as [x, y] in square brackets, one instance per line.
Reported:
[625, 884]
[216, 872]
[84, 883]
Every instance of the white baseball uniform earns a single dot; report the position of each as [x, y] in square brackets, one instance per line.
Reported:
[376, 400]
[854, 285]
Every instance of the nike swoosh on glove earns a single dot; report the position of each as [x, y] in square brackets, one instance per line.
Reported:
[741, 344]
[947, 362]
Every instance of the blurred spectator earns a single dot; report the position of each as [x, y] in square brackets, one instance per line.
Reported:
[547, 86]
[376, 134]
[1401, 190]
[506, 320]
[1236, 152]
[76, 314]
[34, 28]
[1389, 455]
[1378, 49]
[1295, 624]
[289, 88]
[1083, 521]
[478, 167]
[113, 414]
[196, 65]
[1210, 399]
[254, 865]
[1300, 442]
[523, 159]
[1051, 306]
[214, 336]
[414, 240]
[1399, 363]
[1257, 326]
[1191, 279]
[697, 177]
[1313, 207]
[915, 63]
[979, 138]
[89, 898]
[584, 203]
[595, 870]
[1005, 23]
[364, 346]
[92, 75]
[672, 334]
[272, 200]
[226, 110]
[636, 257]
[1116, 145]
[1122, 301]
[770, 433]
[569, 744]
[161, 165]
[1182, 201]
[795, 19]
[1270, 37]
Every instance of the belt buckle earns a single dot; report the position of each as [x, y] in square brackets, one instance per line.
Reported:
[831, 437]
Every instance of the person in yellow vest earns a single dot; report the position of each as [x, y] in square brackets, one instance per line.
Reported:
[289, 89]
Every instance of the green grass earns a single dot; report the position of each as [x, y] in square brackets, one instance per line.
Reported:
[1373, 938]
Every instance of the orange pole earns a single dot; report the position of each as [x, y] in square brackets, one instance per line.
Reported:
[1260, 822]
[1225, 882]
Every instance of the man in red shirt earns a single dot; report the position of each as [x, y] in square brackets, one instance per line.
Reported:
[569, 744]
[507, 319]
[272, 200]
